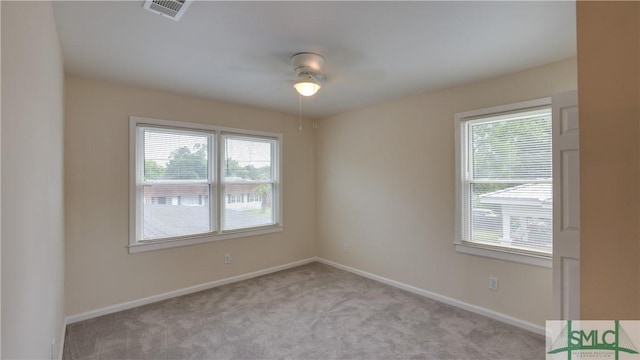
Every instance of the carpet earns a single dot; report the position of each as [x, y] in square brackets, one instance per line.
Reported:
[309, 312]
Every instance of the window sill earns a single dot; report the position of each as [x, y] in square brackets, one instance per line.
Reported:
[542, 261]
[200, 239]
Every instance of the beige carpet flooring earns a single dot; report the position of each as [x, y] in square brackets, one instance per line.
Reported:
[309, 312]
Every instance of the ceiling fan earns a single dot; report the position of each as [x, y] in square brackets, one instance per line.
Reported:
[307, 71]
[308, 68]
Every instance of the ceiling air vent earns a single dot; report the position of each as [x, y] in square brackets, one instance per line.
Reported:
[169, 8]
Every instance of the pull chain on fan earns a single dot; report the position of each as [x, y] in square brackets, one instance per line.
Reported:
[308, 68]
[300, 111]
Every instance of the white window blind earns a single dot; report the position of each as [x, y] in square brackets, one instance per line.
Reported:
[176, 183]
[507, 181]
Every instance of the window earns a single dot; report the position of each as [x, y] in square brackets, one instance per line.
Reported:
[504, 182]
[189, 183]
[248, 167]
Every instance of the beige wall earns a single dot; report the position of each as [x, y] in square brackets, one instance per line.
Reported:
[386, 183]
[32, 182]
[609, 94]
[99, 271]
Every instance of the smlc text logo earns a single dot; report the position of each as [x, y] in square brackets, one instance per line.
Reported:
[582, 339]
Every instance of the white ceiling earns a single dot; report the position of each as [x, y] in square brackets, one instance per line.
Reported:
[239, 51]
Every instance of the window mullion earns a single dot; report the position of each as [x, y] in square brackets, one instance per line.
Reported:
[213, 193]
[221, 163]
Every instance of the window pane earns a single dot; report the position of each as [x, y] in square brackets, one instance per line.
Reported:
[513, 215]
[175, 155]
[512, 149]
[248, 205]
[247, 159]
[175, 210]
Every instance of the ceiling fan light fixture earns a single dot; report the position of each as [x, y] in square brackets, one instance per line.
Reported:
[307, 85]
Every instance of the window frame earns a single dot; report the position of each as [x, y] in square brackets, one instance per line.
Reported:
[275, 176]
[216, 200]
[462, 188]
[140, 183]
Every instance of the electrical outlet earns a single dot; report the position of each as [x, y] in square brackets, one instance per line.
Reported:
[227, 258]
[345, 247]
[493, 283]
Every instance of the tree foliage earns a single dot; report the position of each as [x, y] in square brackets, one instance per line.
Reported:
[248, 172]
[191, 164]
[264, 192]
[514, 149]
[153, 170]
[187, 164]
[511, 149]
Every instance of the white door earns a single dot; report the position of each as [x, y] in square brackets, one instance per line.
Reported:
[566, 206]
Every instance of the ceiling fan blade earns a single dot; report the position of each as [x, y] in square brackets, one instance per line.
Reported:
[358, 76]
[265, 62]
[243, 68]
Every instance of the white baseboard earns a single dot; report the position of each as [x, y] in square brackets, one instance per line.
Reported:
[445, 299]
[60, 340]
[192, 289]
[171, 294]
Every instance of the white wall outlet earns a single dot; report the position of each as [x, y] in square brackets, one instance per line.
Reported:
[227, 258]
[493, 283]
[345, 247]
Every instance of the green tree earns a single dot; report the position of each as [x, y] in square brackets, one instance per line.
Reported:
[185, 163]
[253, 173]
[505, 150]
[510, 149]
[153, 170]
[264, 191]
[247, 172]
[232, 168]
[262, 173]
